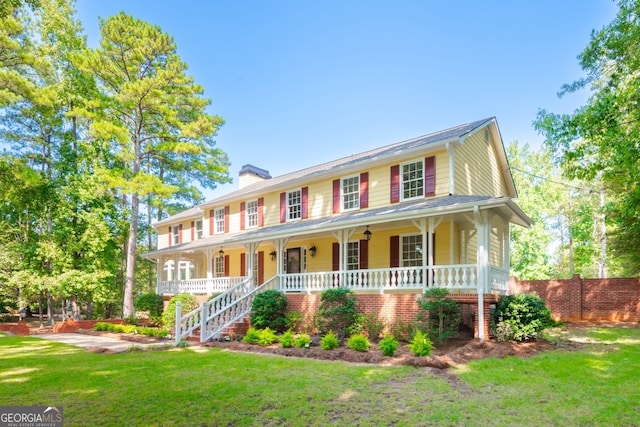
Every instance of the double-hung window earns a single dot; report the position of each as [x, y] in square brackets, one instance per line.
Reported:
[251, 212]
[412, 252]
[294, 205]
[412, 175]
[175, 235]
[353, 256]
[219, 265]
[199, 231]
[351, 193]
[218, 217]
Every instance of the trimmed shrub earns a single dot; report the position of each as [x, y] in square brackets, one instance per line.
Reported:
[302, 341]
[188, 303]
[151, 303]
[401, 330]
[439, 315]
[388, 345]
[293, 320]
[269, 310]
[421, 344]
[520, 317]
[287, 339]
[358, 342]
[266, 337]
[329, 341]
[252, 336]
[369, 325]
[337, 311]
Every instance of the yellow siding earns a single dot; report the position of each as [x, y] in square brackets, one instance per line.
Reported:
[477, 168]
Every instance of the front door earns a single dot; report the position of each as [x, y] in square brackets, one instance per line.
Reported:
[293, 260]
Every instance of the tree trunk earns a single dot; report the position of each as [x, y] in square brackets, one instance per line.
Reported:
[50, 319]
[132, 241]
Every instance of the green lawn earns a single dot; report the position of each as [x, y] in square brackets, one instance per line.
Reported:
[597, 385]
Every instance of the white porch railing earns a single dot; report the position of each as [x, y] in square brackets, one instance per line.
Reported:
[198, 286]
[461, 276]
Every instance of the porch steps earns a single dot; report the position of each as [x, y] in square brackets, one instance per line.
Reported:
[234, 332]
[238, 329]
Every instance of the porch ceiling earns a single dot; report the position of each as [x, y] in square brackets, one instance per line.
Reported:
[385, 216]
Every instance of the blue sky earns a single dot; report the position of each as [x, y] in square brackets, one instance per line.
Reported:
[303, 82]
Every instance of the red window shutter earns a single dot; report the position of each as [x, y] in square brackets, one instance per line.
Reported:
[364, 254]
[211, 222]
[336, 196]
[260, 267]
[364, 190]
[180, 234]
[170, 235]
[394, 250]
[305, 202]
[226, 266]
[430, 176]
[283, 207]
[193, 231]
[335, 257]
[243, 264]
[242, 208]
[261, 212]
[395, 184]
[226, 219]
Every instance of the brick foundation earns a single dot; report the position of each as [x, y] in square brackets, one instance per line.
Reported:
[389, 307]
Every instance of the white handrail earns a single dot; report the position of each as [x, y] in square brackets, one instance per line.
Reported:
[228, 308]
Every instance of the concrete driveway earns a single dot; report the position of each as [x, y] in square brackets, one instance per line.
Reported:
[95, 343]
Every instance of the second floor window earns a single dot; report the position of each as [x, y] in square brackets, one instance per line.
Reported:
[412, 180]
[199, 230]
[251, 211]
[218, 217]
[294, 205]
[351, 193]
[175, 235]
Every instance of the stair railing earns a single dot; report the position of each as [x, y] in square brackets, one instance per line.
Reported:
[230, 307]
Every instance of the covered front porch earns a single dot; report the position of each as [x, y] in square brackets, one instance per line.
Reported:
[458, 243]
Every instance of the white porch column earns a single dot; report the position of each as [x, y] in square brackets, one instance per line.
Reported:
[251, 251]
[280, 244]
[482, 223]
[343, 237]
[159, 269]
[209, 254]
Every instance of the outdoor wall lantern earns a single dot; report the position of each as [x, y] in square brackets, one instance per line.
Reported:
[367, 234]
[272, 255]
[221, 253]
[312, 250]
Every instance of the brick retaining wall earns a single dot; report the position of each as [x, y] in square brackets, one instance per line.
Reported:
[578, 299]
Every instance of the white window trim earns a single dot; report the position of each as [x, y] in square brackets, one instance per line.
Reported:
[402, 198]
[218, 272]
[217, 221]
[199, 231]
[247, 221]
[288, 211]
[342, 180]
[401, 252]
[175, 235]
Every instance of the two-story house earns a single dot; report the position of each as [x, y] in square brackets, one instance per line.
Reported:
[388, 223]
